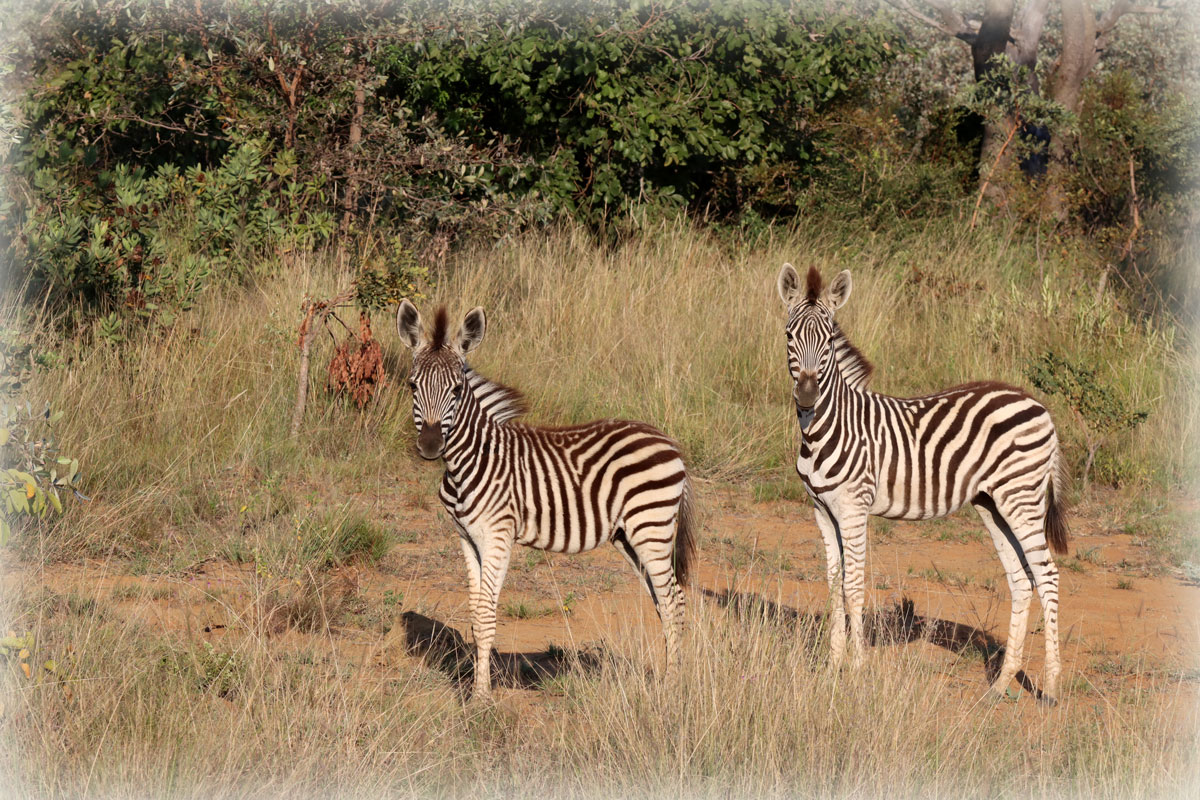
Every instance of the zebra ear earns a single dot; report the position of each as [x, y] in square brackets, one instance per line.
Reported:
[789, 285]
[408, 323]
[839, 290]
[471, 333]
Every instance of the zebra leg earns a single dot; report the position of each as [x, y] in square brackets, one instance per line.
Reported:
[833, 574]
[652, 545]
[1020, 585]
[471, 557]
[1030, 534]
[448, 494]
[854, 554]
[494, 558]
[1047, 586]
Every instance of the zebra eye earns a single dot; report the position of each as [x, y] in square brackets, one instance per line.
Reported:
[413, 385]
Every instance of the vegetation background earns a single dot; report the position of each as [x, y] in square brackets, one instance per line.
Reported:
[199, 197]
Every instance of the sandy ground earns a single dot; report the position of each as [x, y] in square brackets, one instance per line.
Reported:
[934, 584]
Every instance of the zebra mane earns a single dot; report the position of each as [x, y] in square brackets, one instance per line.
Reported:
[853, 365]
[441, 324]
[499, 402]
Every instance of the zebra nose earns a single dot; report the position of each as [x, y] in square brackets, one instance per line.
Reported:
[805, 391]
[429, 441]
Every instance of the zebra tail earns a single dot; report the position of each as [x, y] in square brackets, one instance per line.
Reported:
[1056, 513]
[685, 543]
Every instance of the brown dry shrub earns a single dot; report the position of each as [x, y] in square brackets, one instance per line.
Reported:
[357, 365]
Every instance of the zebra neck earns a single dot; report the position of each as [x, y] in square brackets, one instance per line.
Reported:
[472, 431]
[852, 367]
[486, 407]
[497, 402]
[849, 375]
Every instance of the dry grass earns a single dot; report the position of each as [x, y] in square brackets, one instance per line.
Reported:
[183, 439]
[675, 328]
[136, 712]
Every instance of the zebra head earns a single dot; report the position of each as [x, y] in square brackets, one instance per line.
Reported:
[810, 331]
[439, 371]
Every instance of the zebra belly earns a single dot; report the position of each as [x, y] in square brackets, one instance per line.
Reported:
[565, 525]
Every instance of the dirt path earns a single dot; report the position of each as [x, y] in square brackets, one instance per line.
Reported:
[1120, 608]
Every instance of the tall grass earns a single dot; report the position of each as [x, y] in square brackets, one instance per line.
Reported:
[177, 430]
[677, 328]
[182, 435]
[135, 712]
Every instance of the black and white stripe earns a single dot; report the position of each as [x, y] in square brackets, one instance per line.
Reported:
[863, 454]
[565, 490]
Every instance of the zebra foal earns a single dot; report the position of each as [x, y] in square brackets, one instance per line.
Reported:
[565, 490]
[863, 454]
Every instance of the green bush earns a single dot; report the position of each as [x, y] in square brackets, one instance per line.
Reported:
[33, 473]
[619, 101]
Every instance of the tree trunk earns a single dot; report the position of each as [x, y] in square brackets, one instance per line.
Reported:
[1076, 60]
[350, 191]
[992, 40]
[1078, 53]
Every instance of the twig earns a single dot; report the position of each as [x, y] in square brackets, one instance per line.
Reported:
[1127, 250]
[316, 314]
[992, 171]
[307, 331]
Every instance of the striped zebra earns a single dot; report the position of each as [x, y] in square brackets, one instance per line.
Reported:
[863, 453]
[565, 490]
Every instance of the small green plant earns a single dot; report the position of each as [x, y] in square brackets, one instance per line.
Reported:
[521, 610]
[32, 471]
[1101, 414]
[1125, 583]
[568, 603]
[217, 671]
[330, 544]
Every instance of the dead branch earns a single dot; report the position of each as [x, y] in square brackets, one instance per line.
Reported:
[1000, 155]
[1127, 250]
[951, 22]
[316, 313]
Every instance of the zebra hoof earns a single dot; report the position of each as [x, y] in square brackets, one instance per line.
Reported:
[997, 695]
[1047, 701]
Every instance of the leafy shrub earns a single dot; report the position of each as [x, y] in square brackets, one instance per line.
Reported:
[696, 103]
[32, 471]
[154, 241]
[1100, 412]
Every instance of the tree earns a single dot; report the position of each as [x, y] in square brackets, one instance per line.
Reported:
[1007, 35]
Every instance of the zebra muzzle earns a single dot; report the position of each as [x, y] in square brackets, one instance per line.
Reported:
[429, 442]
[804, 395]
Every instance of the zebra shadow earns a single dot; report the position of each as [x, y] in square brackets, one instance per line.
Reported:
[894, 625]
[444, 649]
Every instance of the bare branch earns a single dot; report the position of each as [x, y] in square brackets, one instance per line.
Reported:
[950, 23]
[1120, 8]
[1109, 19]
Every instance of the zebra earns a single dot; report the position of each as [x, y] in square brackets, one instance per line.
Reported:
[863, 454]
[561, 489]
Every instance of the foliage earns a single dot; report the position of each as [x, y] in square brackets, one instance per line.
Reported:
[32, 471]
[1101, 412]
[153, 242]
[1137, 182]
[156, 143]
[692, 103]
